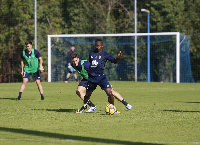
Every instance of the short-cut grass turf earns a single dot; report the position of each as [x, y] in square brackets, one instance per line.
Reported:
[162, 113]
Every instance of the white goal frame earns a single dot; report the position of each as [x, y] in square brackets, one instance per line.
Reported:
[177, 34]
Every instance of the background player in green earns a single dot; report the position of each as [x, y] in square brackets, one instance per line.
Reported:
[31, 63]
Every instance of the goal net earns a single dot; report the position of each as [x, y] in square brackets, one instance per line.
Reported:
[165, 57]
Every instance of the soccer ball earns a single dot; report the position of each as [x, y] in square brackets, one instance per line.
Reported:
[110, 109]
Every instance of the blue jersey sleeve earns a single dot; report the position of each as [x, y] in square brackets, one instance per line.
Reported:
[68, 57]
[90, 57]
[37, 54]
[86, 65]
[109, 57]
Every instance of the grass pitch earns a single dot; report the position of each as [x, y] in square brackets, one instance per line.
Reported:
[162, 113]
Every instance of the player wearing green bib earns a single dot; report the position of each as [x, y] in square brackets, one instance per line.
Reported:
[83, 72]
[31, 63]
[83, 83]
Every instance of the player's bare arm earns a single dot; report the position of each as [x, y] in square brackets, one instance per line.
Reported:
[41, 67]
[22, 67]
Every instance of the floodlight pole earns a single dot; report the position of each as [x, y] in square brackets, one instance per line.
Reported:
[148, 45]
[35, 24]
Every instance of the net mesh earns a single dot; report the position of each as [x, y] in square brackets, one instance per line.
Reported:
[162, 57]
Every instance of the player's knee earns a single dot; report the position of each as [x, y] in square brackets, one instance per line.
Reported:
[38, 81]
[111, 99]
[110, 94]
[77, 92]
[23, 84]
[22, 87]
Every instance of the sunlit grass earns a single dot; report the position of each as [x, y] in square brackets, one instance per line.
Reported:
[162, 113]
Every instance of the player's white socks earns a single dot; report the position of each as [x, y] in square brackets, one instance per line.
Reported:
[84, 105]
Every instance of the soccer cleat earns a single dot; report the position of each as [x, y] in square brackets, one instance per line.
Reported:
[42, 98]
[128, 106]
[18, 98]
[92, 109]
[66, 82]
[81, 110]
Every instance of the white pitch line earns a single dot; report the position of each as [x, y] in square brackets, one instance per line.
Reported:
[67, 140]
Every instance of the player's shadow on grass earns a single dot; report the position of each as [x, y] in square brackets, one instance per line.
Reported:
[182, 111]
[192, 102]
[58, 110]
[9, 98]
[62, 110]
[189, 102]
[70, 137]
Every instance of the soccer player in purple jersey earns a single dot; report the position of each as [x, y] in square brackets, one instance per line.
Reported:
[31, 63]
[98, 59]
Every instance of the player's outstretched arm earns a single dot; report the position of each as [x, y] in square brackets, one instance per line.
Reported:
[118, 57]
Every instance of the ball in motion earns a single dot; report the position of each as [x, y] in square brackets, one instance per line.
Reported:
[110, 109]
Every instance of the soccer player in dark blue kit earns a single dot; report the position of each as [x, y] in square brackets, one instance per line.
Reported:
[98, 59]
[83, 67]
[71, 69]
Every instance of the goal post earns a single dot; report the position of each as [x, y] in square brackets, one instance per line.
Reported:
[164, 67]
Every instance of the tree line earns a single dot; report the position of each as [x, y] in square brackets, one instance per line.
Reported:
[90, 17]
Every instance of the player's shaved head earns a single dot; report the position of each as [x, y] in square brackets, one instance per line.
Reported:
[98, 40]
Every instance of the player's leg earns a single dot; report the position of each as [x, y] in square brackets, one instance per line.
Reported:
[37, 79]
[90, 88]
[117, 95]
[25, 80]
[105, 85]
[81, 93]
[40, 89]
[68, 74]
[121, 99]
[110, 95]
[67, 78]
[86, 99]
[75, 76]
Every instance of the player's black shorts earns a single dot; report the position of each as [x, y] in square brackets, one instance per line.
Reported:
[83, 83]
[100, 80]
[36, 75]
[71, 70]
